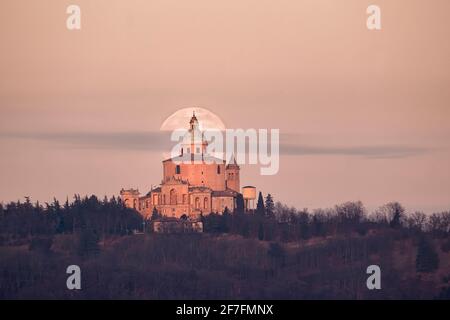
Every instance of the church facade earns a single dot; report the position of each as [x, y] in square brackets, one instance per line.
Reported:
[193, 183]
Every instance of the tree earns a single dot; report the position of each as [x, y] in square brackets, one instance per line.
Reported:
[427, 259]
[246, 229]
[417, 220]
[439, 223]
[213, 223]
[277, 254]
[270, 207]
[302, 220]
[261, 231]
[225, 221]
[352, 212]
[155, 214]
[393, 213]
[240, 203]
[397, 214]
[260, 210]
[88, 242]
[318, 223]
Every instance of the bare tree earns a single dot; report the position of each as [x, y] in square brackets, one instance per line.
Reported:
[393, 213]
[439, 222]
[417, 220]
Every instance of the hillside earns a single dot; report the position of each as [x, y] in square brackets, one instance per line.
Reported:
[224, 266]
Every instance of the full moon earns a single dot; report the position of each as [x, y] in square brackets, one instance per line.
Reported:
[180, 120]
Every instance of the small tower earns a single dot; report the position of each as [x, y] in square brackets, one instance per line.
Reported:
[233, 180]
[249, 195]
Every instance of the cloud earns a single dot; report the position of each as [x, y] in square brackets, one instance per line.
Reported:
[160, 141]
[373, 151]
[145, 141]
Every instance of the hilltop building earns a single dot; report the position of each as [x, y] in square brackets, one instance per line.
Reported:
[193, 183]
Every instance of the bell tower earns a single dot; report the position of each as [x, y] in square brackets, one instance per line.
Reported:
[233, 180]
[194, 142]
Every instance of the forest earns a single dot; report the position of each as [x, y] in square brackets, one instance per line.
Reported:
[272, 252]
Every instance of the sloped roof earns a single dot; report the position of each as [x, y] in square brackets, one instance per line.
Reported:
[199, 189]
[196, 158]
[158, 189]
[225, 193]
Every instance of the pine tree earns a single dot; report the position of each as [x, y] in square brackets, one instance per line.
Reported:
[270, 207]
[260, 210]
[427, 259]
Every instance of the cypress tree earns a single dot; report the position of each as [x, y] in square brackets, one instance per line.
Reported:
[240, 203]
[260, 210]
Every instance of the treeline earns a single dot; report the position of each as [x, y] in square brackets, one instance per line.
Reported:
[277, 222]
[102, 217]
[269, 221]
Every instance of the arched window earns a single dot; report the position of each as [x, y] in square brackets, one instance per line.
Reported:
[184, 198]
[205, 203]
[218, 169]
[164, 199]
[197, 203]
[173, 196]
[178, 169]
[134, 203]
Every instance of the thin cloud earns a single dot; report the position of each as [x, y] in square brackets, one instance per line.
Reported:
[145, 141]
[160, 141]
[376, 151]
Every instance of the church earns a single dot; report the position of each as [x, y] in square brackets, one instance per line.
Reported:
[194, 183]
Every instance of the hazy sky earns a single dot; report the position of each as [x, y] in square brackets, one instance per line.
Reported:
[364, 114]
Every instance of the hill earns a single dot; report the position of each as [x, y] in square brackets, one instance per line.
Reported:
[153, 266]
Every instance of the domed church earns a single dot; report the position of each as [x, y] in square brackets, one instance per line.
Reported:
[193, 183]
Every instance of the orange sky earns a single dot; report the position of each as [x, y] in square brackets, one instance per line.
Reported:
[365, 112]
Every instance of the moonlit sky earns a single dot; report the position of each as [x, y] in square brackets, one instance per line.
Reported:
[364, 115]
